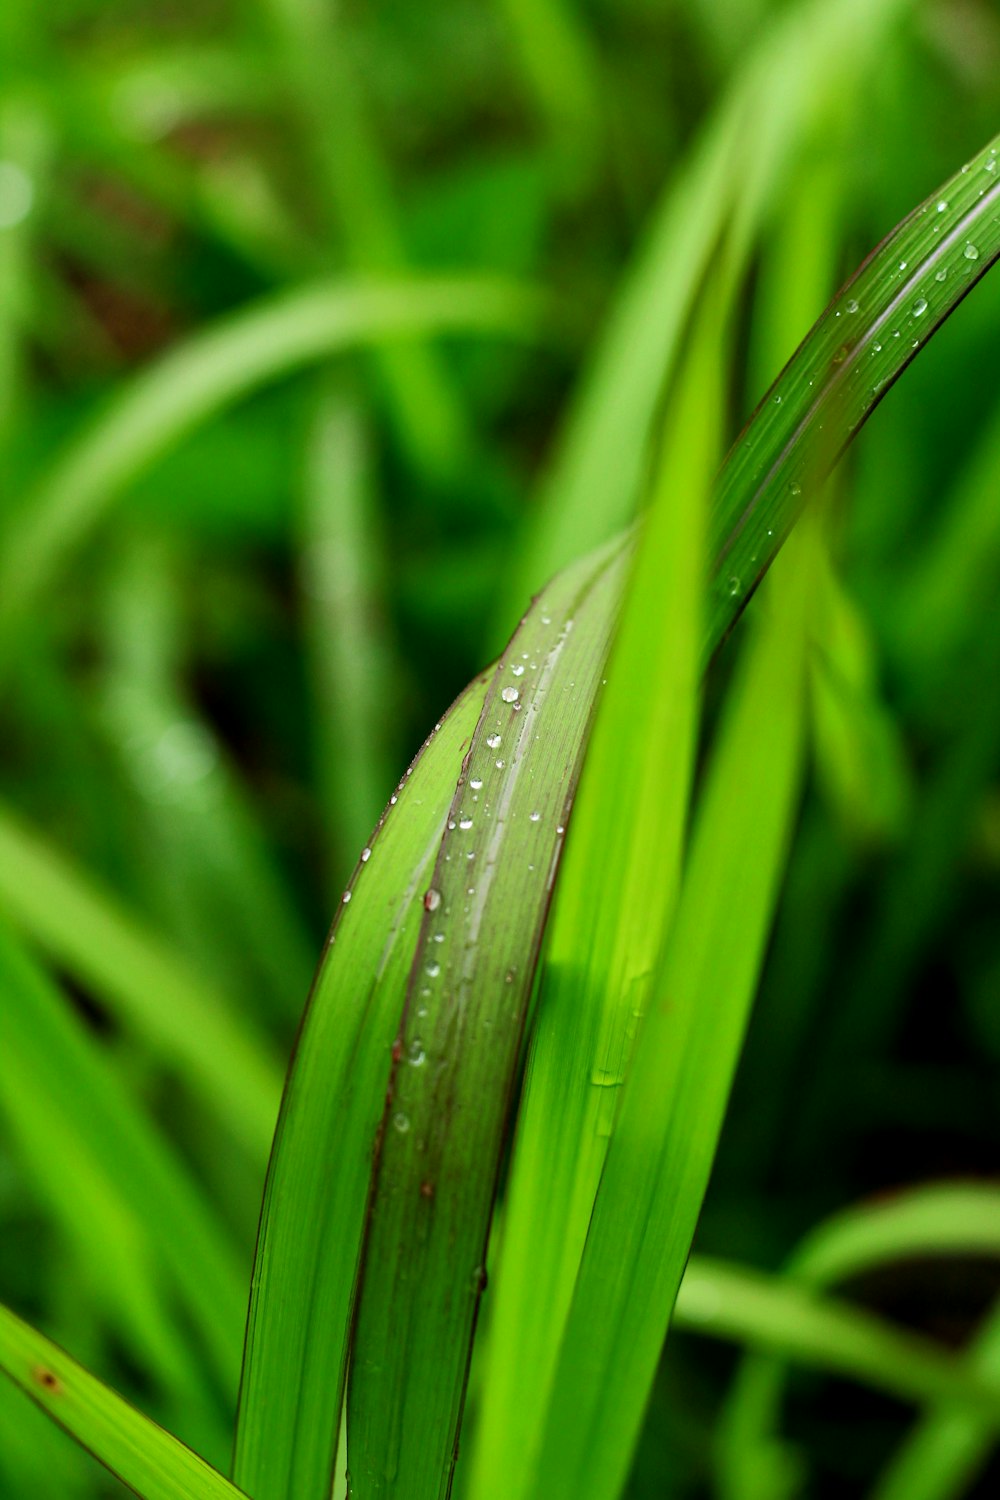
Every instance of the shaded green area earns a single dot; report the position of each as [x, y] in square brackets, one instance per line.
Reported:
[327, 334]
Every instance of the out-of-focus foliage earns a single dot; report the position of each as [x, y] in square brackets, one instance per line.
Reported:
[220, 648]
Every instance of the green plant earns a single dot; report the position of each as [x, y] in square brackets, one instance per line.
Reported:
[473, 964]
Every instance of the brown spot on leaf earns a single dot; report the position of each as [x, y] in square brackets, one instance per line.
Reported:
[47, 1379]
[427, 1190]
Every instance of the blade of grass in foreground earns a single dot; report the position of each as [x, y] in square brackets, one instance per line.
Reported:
[466, 1004]
[196, 380]
[600, 952]
[400, 1418]
[674, 1096]
[144, 1457]
[318, 1181]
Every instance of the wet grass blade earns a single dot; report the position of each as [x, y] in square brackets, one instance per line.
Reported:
[318, 1182]
[147, 1459]
[467, 999]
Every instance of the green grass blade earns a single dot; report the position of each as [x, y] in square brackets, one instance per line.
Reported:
[791, 1322]
[944, 1453]
[149, 990]
[674, 1096]
[147, 1459]
[313, 1216]
[871, 331]
[121, 1195]
[921, 1223]
[198, 379]
[600, 952]
[468, 995]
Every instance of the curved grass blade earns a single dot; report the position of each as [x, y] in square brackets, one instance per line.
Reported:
[924, 1223]
[318, 1180]
[793, 1323]
[871, 331]
[425, 1247]
[144, 1457]
[193, 382]
[942, 1456]
[145, 986]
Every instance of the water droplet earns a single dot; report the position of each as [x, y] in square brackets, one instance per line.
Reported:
[499, 764]
[602, 1078]
[534, 817]
[433, 970]
[560, 829]
[347, 897]
[971, 252]
[438, 937]
[920, 307]
[942, 275]
[777, 400]
[942, 205]
[401, 1122]
[451, 824]
[509, 694]
[393, 800]
[17, 194]
[517, 671]
[734, 587]
[990, 165]
[476, 783]
[415, 1054]
[366, 855]
[840, 355]
[465, 823]
[546, 619]
[902, 265]
[795, 488]
[851, 305]
[493, 740]
[432, 899]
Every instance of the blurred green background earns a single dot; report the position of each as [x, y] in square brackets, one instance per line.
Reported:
[216, 660]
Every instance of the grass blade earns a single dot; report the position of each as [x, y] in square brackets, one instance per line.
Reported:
[193, 382]
[467, 999]
[600, 952]
[791, 1322]
[674, 1097]
[312, 1220]
[145, 986]
[120, 1193]
[147, 1459]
